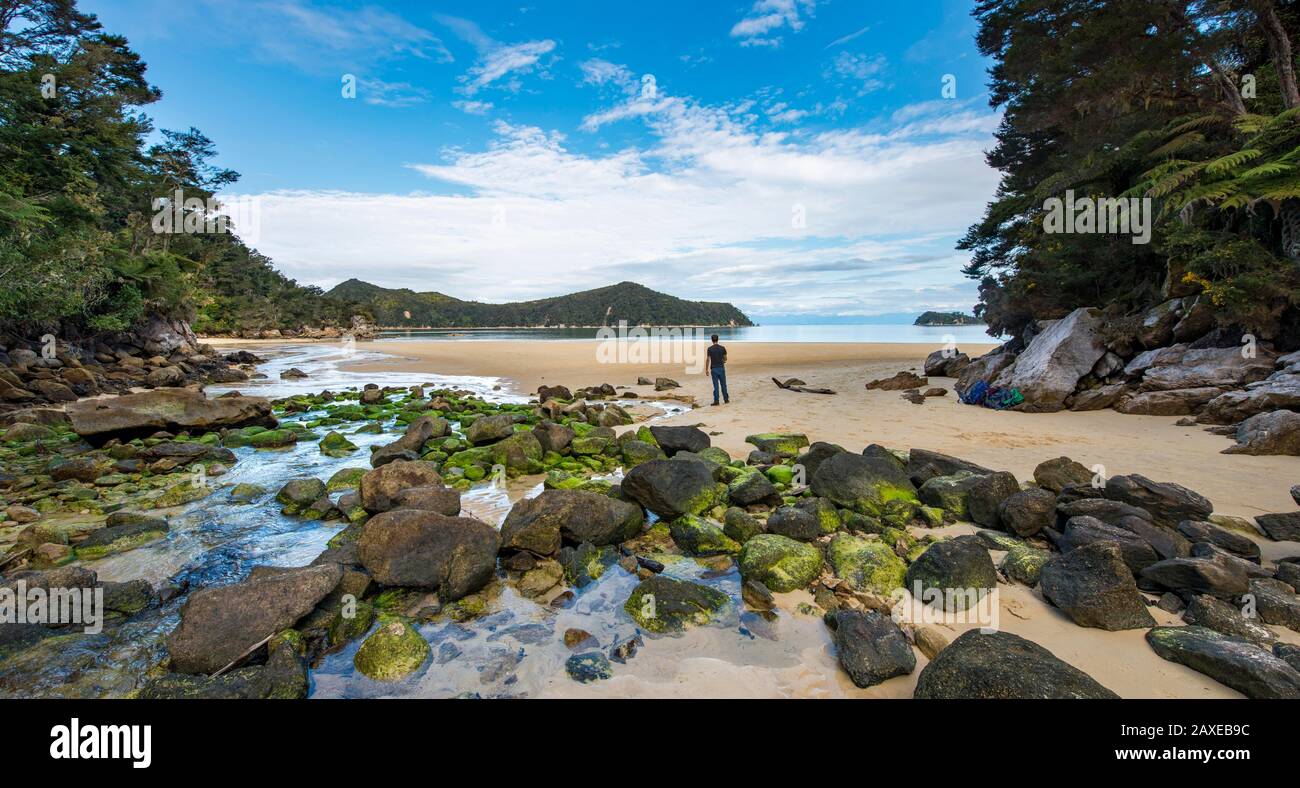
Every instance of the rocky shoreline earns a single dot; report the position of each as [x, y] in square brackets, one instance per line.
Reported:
[851, 529]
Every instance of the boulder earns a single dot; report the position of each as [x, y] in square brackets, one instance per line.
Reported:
[411, 445]
[433, 498]
[671, 488]
[923, 465]
[985, 498]
[299, 494]
[753, 489]
[542, 524]
[1276, 603]
[698, 536]
[1168, 503]
[553, 437]
[393, 651]
[1212, 576]
[174, 410]
[1082, 531]
[1251, 670]
[1218, 367]
[863, 484]
[1098, 398]
[675, 439]
[1268, 434]
[812, 459]
[414, 548]
[899, 382]
[957, 571]
[662, 604]
[1280, 527]
[379, 489]
[1280, 391]
[867, 565]
[1171, 402]
[1206, 611]
[781, 444]
[950, 493]
[1027, 512]
[218, 625]
[1157, 326]
[489, 429]
[871, 647]
[780, 563]
[1048, 370]
[520, 452]
[1024, 564]
[1209, 533]
[739, 525]
[1092, 586]
[113, 538]
[1055, 475]
[1003, 666]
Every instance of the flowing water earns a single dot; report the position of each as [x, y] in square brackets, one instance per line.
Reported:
[517, 649]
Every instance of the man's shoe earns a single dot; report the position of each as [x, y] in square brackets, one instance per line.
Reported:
[715, 404]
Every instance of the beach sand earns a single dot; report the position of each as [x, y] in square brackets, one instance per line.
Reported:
[1151, 445]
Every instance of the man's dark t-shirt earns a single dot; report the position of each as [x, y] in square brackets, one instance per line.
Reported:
[717, 355]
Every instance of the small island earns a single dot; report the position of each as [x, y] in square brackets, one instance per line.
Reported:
[947, 319]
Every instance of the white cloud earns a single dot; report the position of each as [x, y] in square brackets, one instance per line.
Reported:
[709, 209]
[766, 17]
[497, 60]
[392, 94]
[473, 107]
[858, 72]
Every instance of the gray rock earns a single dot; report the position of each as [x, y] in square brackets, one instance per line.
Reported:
[675, 439]
[1082, 531]
[1027, 512]
[1094, 588]
[1237, 663]
[1280, 527]
[1198, 576]
[1234, 543]
[1057, 474]
[1268, 434]
[1000, 665]
[1276, 603]
[454, 555]
[871, 647]
[1168, 503]
[671, 488]
[954, 568]
[1048, 370]
[1206, 611]
[986, 496]
[542, 523]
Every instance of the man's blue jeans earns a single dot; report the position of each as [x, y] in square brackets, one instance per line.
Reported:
[719, 375]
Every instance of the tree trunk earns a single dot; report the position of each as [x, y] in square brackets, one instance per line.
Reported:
[1280, 47]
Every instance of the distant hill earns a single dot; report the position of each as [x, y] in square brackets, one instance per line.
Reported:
[947, 319]
[636, 304]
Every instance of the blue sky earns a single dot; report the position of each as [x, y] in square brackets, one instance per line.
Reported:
[795, 157]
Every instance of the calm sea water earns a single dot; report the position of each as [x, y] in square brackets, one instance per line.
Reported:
[901, 333]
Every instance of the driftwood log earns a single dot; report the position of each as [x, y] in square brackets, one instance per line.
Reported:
[795, 384]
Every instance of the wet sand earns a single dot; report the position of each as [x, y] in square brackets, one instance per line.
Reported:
[1151, 445]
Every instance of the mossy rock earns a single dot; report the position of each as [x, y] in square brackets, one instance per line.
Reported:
[780, 474]
[1024, 564]
[779, 562]
[521, 452]
[781, 444]
[180, 494]
[395, 650]
[273, 439]
[588, 667]
[247, 493]
[663, 604]
[698, 536]
[298, 495]
[335, 445]
[345, 479]
[866, 564]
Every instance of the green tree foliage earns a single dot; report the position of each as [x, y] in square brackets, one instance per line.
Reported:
[1141, 98]
[634, 303]
[80, 184]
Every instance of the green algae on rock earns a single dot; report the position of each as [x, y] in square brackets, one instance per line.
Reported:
[866, 564]
[393, 651]
[779, 562]
[662, 604]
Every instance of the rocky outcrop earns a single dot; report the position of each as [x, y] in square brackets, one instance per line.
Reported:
[136, 415]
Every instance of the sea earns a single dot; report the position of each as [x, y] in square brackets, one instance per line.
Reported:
[882, 333]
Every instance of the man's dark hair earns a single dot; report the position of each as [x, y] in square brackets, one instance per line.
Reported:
[715, 337]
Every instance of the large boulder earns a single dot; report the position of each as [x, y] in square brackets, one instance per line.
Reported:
[675, 439]
[1284, 527]
[863, 484]
[408, 547]
[1082, 531]
[871, 647]
[1229, 541]
[1213, 576]
[958, 571]
[1250, 669]
[1171, 402]
[433, 498]
[1059, 473]
[410, 445]
[1218, 367]
[950, 492]
[1168, 503]
[1048, 370]
[812, 459]
[174, 410]
[780, 444]
[1268, 433]
[671, 488]
[520, 452]
[1003, 666]
[218, 625]
[381, 488]
[698, 536]
[1280, 391]
[753, 488]
[553, 437]
[1276, 603]
[1093, 587]
[985, 497]
[780, 563]
[542, 524]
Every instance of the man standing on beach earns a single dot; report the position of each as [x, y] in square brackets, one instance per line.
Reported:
[716, 365]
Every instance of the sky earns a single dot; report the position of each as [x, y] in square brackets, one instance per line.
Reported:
[803, 159]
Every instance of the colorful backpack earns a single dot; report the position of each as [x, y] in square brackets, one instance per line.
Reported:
[975, 394]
